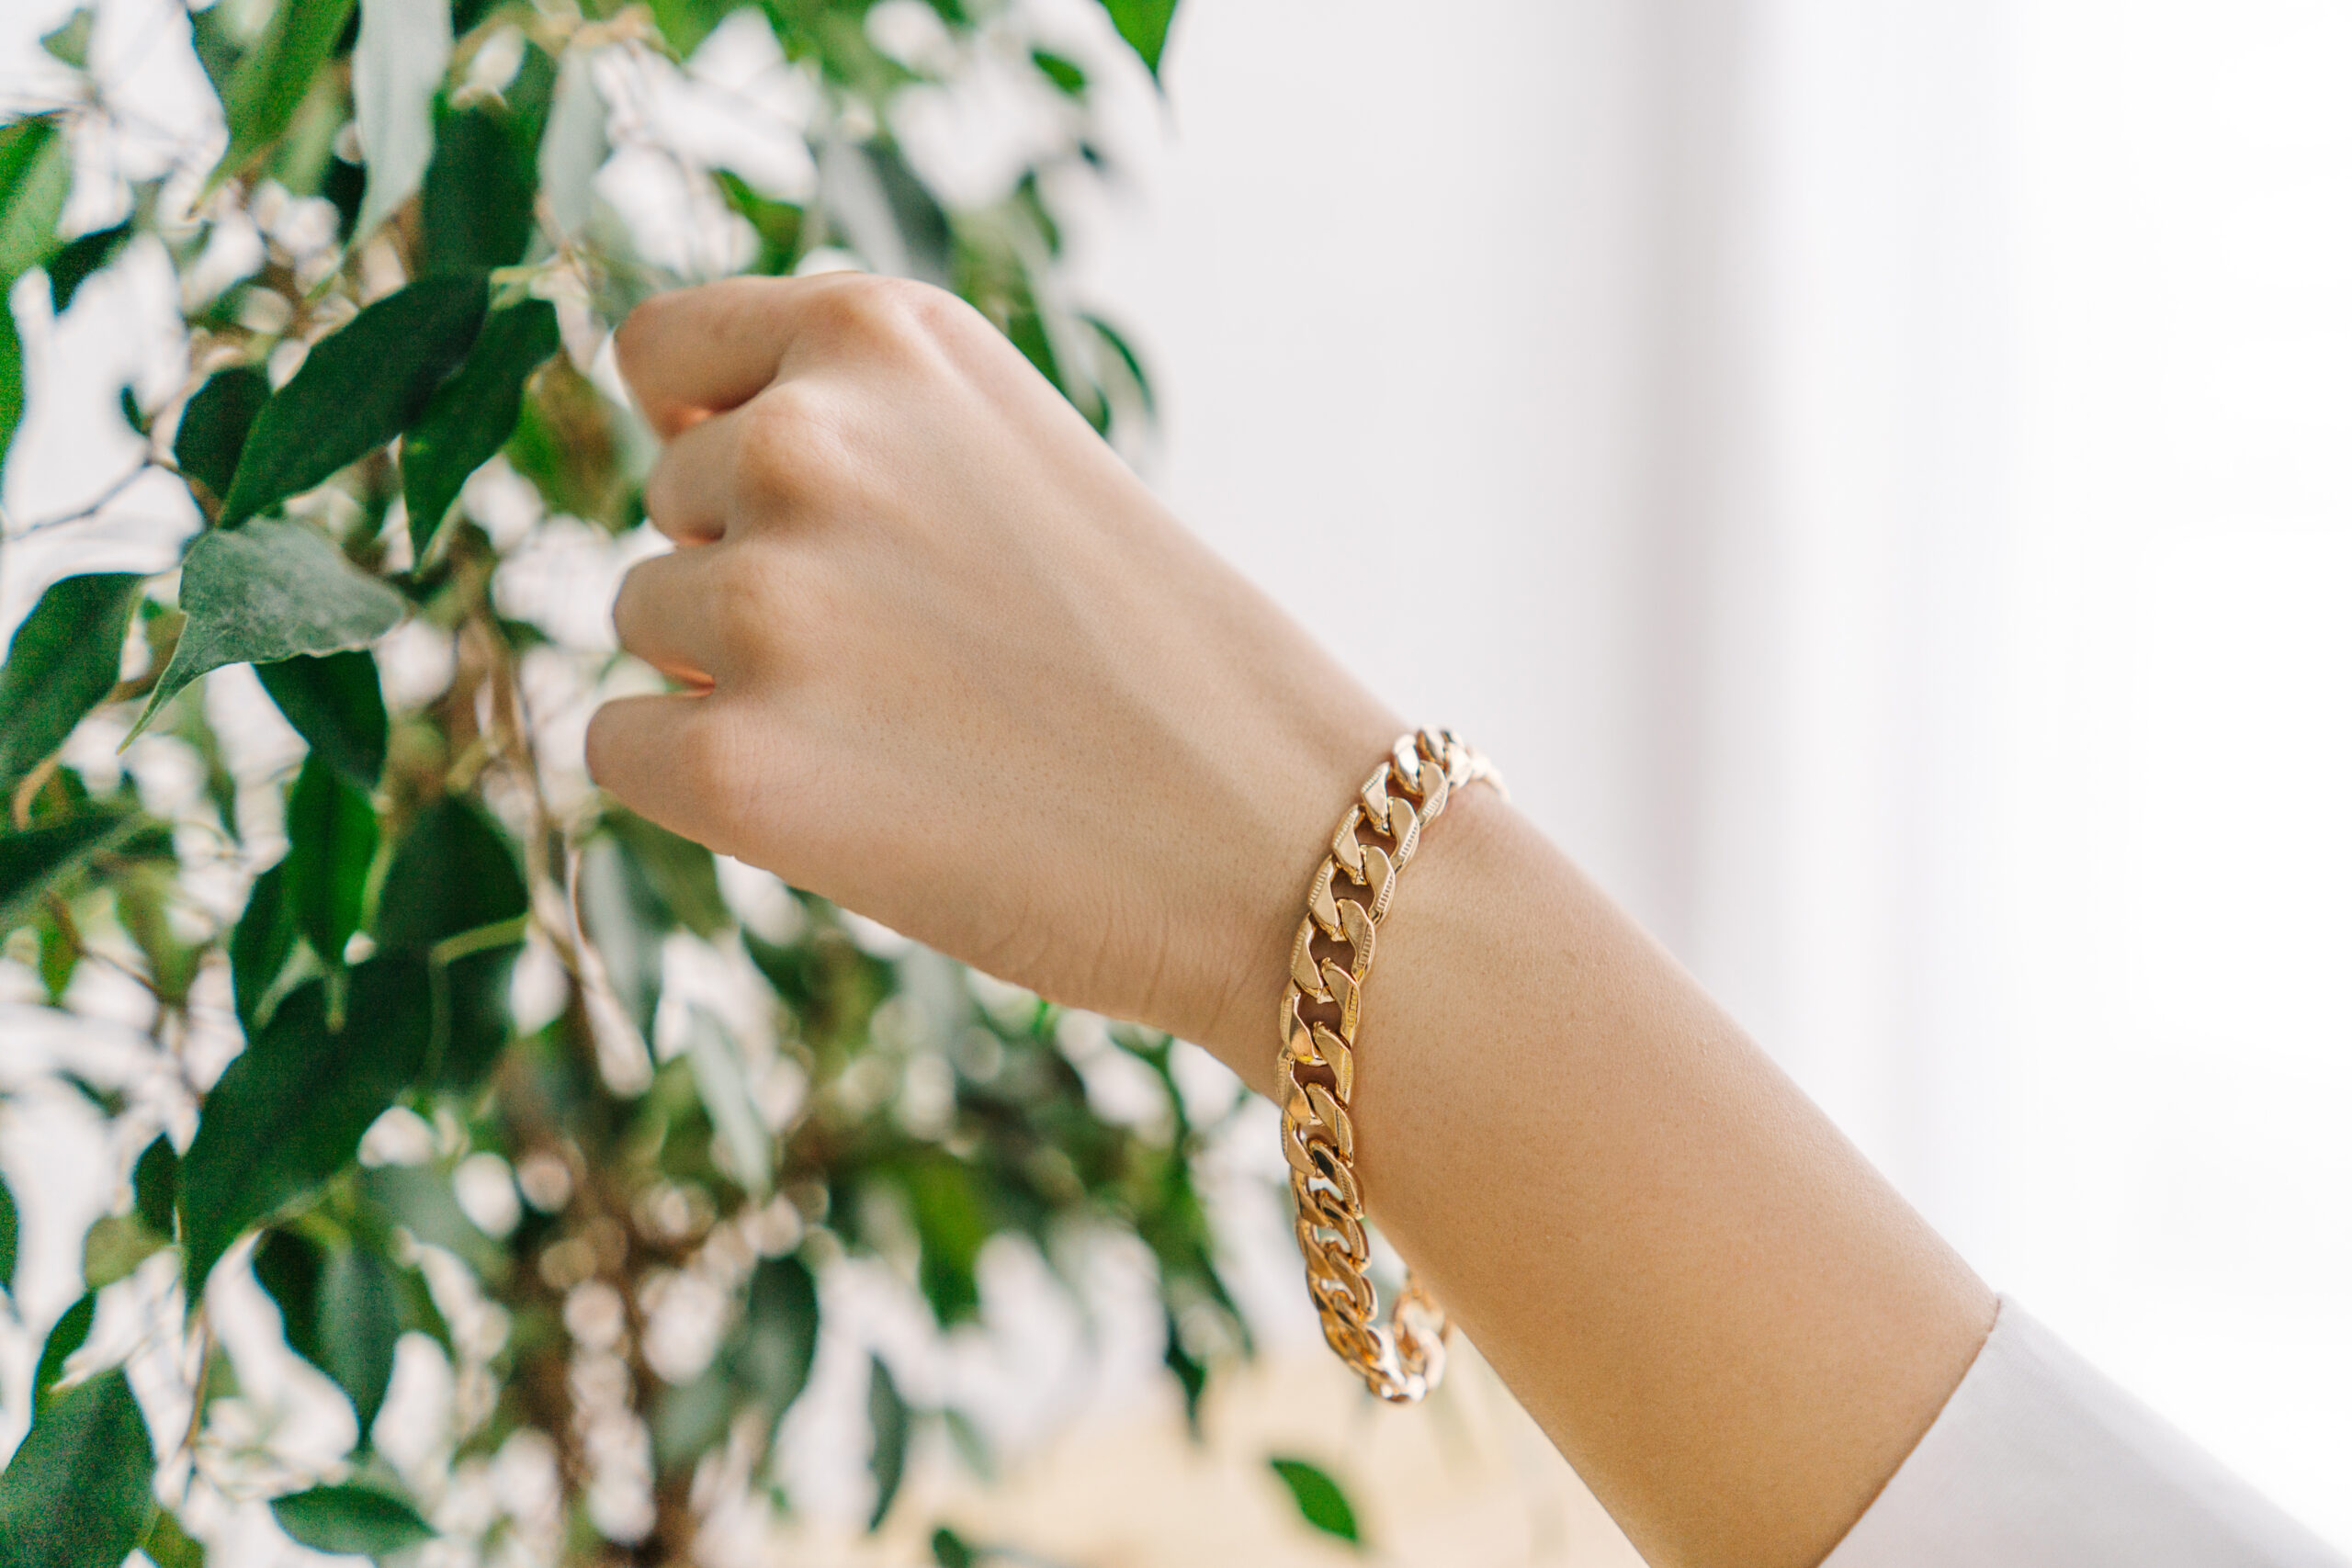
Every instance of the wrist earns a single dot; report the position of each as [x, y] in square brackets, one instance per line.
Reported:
[1242, 1026]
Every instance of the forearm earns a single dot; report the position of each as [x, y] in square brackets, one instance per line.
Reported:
[943, 659]
[1726, 1320]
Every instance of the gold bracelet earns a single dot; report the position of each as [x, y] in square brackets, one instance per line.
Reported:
[1401, 1360]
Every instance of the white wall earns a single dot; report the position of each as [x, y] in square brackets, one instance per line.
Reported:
[1875, 474]
[1386, 262]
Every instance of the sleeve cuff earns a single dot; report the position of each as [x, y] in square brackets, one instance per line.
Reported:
[2038, 1460]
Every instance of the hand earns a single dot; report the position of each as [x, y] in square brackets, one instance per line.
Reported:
[947, 664]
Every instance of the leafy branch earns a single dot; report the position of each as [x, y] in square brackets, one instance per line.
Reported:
[482, 1105]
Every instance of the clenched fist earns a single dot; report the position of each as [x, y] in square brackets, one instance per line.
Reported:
[946, 661]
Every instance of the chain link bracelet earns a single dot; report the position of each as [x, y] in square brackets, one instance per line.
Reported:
[1329, 961]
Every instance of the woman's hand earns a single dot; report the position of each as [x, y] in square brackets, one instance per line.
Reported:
[950, 665]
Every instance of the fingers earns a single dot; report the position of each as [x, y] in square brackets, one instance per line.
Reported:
[691, 492]
[698, 352]
[668, 758]
[662, 614]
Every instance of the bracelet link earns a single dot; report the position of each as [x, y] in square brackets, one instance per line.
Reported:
[1402, 1359]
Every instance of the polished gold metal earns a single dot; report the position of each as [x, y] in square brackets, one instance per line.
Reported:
[1322, 1007]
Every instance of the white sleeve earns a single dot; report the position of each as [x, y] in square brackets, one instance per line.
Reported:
[2039, 1462]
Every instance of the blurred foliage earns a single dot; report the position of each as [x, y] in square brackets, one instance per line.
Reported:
[437, 252]
[1321, 1501]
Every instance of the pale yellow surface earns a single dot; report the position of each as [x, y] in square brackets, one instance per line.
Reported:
[1464, 1482]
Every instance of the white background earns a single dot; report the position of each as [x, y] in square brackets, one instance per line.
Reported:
[1877, 477]
[1876, 474]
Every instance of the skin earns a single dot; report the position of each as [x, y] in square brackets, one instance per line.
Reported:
[944, 660]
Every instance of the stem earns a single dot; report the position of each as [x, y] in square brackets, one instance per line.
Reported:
[202, 1324]
[104, 496]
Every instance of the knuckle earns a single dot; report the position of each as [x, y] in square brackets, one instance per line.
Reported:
[795, 443]
[741, 603]
[671, 492]
[871, 310]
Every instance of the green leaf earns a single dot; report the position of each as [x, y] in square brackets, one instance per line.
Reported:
[268, 591]
[479, 192]
[7, 1238]
[169, 1546]
[341, 187]
[78, 259]
[271, 81]
[471, 1019]
[336, 704]
[776, 1344]
[952, 1219]
[1321, 1501]
[716, 1063]
[778, 224]
[360, 387]
[1190, 1374]
[189, 723]
[972, 1445]
[1062, 71]
[36, 172]
[220, 45]
[107, 1102]
[286, 1264]
[114, 1246]
[1128, 360]
[332, 832]
[155, 1186]
[36, 859]
[360, 1521]
[454, 873]
[528, 97]
[81, 1488]
[66, 1336]
[419, 1199]
[260, 945]
[686, 23]
[418, 1315]
[1144, 24]
[396, 70]
[951, 1550]
[359, 1327]
[289, 1113]
[689, 1420]
[571, 446]
[923, 227]
[61, 663]
[214, 425]
[886, 1411]
[12, 380]
[625, 920]
[681, 872]
[1026, 327]
[34, 177]
[473, 414]
[341, 1307]
[69, 41]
